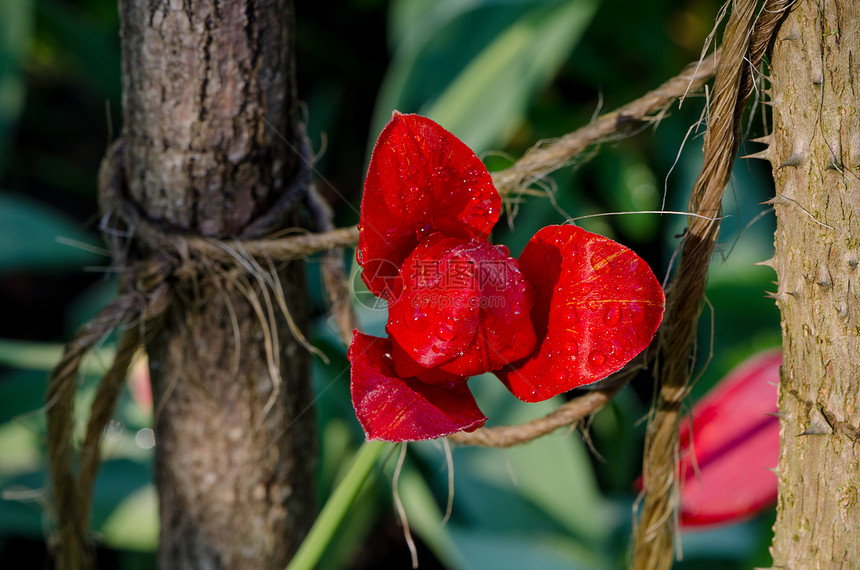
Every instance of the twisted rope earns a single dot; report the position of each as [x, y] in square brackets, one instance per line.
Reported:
[744, 43]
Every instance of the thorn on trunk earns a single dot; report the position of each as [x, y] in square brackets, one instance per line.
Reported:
[795, 159]
[768, 263]
[778, 297]
[762, 155]
[824, 280]
[818, 424]
[767, 139]
[834, 164]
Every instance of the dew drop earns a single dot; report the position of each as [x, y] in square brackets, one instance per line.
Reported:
[583, 289]
[571, 348]
[417, 322]
[600, 264]
[571, 316]
[596, 358]
[435, 349]
[612, 314]
[440, 173]
[419, 139]
[411, 193]
[593, 305]
[445, 334]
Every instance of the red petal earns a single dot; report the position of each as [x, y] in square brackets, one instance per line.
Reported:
[597, 306]
[421, 179]
[390, 408]
[735, 437]
[435, 317]
[505, 332]
[464, 307]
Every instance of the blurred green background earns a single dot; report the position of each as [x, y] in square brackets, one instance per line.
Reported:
[501, 75]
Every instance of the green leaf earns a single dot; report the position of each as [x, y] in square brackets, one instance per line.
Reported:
[27, 448]
[43, 356]
[16, 25]
[117, 480]
[28, 238]
[134, 525]
[483, 549]
[474, 67]
[22, 392]
[94, 56]
[487, 100]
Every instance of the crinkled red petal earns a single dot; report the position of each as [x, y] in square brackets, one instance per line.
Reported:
[504, 333]
[597, 306]
[421, 180]
[735, 438]
[391, 408]
[465, 308]
[435, 317]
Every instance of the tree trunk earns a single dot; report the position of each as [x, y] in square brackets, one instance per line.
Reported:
[210, 138]
[816, 157]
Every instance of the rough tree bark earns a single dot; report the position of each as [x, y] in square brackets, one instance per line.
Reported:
[816, 158]
[210, 138]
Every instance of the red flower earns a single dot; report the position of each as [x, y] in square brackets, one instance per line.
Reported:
[734, 435]
[574, 309]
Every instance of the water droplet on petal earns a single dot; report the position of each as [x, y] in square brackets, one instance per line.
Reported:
[612, 314]
[445, 334]
[411, 193]
[600, 264]
[596, 358]
[593, 305]
[571, 316]
[419, 139]
[417, 322]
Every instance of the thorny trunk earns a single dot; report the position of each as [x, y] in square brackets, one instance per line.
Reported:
[816, 156]
[210, 138]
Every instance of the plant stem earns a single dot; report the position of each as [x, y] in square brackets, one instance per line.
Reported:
[336, 507]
